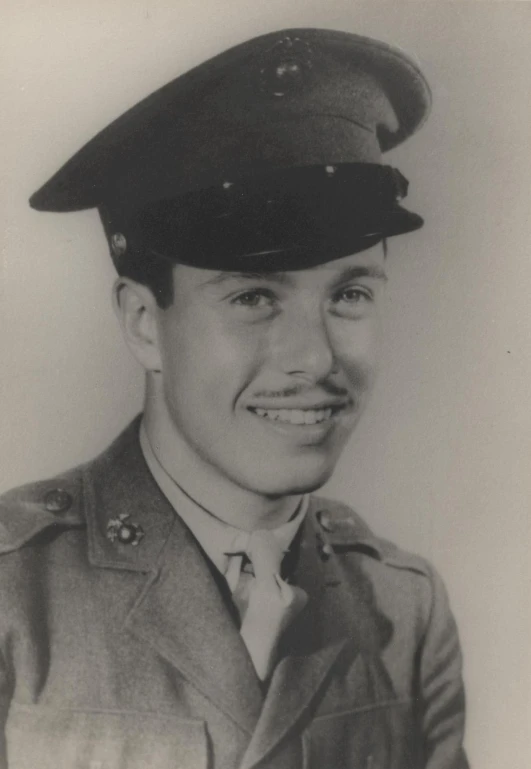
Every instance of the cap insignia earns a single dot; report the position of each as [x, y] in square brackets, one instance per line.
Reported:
[285, 67]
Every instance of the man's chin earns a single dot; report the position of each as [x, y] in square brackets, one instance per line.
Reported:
[285, 484]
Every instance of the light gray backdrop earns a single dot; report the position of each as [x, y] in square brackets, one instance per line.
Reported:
[440, 463]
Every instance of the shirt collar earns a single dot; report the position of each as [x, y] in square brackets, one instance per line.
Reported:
[218, 539]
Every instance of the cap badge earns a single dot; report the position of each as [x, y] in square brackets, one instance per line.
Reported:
[124, 530]
[118, 244]
[285, 67]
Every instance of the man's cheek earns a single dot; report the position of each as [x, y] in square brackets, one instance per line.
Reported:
[359, 368]
[359, 357]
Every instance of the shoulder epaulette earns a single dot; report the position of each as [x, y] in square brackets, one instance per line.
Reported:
[344, 530]
[28, 510]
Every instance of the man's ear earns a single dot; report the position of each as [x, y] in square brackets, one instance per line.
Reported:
[136, 309]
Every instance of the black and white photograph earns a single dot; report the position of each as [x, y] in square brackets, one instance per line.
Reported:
[265, 328]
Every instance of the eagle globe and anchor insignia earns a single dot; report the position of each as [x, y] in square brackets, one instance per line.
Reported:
[124, 531]
[285, 67]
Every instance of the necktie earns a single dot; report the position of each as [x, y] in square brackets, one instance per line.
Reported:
[266, 602]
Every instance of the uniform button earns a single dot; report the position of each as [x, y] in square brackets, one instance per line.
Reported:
[57, 501]
[325, 551]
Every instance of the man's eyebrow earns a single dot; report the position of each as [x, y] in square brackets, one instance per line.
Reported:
[274, 277]
[284, 278]
[361, 271]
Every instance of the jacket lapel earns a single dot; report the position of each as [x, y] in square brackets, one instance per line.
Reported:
[180, 611]
[182, 615]
[337, 624]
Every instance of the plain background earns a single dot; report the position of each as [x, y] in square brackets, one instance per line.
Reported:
[440, 463]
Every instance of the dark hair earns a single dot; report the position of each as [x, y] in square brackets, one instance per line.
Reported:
[156, 272]
[152, 271]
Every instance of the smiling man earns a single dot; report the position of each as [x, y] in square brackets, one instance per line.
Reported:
[256, 380]
[184, 600]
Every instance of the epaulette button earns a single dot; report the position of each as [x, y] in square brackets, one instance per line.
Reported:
[57, 501]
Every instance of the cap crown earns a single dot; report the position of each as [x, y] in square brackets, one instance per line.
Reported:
[288, 98]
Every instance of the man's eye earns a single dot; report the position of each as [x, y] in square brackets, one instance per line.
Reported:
[352, 302]
[354, 295]
[254, 298]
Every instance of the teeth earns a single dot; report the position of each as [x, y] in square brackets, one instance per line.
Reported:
[296, 416]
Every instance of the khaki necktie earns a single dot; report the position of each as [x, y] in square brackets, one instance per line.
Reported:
[266, 602]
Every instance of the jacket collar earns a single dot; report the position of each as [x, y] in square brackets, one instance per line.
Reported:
[119, 481]
[220, 541]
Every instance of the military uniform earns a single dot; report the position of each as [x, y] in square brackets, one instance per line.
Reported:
[119, 645]
[123, 656]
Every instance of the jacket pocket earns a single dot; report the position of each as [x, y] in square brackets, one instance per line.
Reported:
[373, 737]
[63, 739]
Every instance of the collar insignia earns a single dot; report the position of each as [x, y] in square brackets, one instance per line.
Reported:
[123, 530]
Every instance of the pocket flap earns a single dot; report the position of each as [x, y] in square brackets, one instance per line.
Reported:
[376, 736]
[62, 739]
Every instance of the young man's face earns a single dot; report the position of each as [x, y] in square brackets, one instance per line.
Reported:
[265, 376]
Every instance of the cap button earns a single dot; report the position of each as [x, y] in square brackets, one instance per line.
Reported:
[57, 501]
[118, 243]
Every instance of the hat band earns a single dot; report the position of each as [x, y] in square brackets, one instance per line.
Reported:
[282, 220]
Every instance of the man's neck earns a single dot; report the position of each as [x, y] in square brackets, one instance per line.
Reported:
[206, 486]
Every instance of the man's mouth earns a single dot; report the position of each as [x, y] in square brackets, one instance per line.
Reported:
[298, 416]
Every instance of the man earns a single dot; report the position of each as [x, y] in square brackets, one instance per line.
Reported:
[183, 600]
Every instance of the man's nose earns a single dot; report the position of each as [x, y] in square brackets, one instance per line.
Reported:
[302, 346]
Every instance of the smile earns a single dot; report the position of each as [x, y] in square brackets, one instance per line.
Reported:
[297, 416]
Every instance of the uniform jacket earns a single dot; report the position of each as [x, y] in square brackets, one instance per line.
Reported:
[116, 656]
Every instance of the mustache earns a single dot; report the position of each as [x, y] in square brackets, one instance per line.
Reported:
[325, 387]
